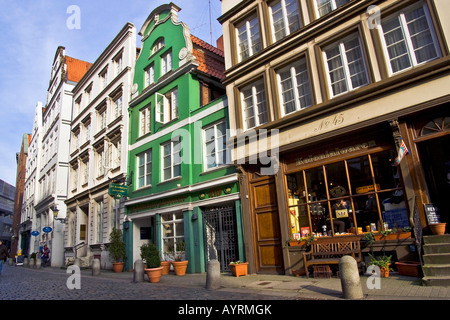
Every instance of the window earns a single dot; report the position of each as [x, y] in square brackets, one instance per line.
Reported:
[254, 108]
[104, 79]
[100, 221]
[248, 38]
[167, 106]
[85, 172]
[117, 64]
[144, 121]
[87, 131]
[117, 107]
[172, 231]
[326, 6]
[346, 68]
[171, 160]
[409, 38]
[100, 163]
[101, 119]
[166, 63]
[114, 155]
[158, 45]
[294, 87]
[285, 18]
[215, 138]
[150, 75]
[74, 177]
[144, 163]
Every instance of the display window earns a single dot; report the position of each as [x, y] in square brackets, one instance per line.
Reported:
[350, 196]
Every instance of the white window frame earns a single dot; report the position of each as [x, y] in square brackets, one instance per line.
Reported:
[170, 221]
[99, 211]
[158, 45]
[118, 105]
[171, 156]
[347, 76]
[255, 104]
[145, 120]
[248, 39]
[166, 106]
[166, 62]
[285, 19]
[407, 37]
[146, 175]
[150, 75]
[208, 154]
[292, 68]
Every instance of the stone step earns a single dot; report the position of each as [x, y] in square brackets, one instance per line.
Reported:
[436, 281]
[436, 258]
[436, 248]
[445, 238]
[436, 270]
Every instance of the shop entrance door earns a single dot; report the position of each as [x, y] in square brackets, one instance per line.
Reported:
[265, 220]
[435, 157]
[221, 235]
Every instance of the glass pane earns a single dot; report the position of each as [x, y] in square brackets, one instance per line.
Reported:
[387, 175]
[319, 213]
[342, 216]
[393, 209]
[299, 221]
[177, 171]
[315, 180]
[337, 180]
[167, 229]
[179, 229]
[293, 16]
[366, 209]
[168, 245]
[360, 175]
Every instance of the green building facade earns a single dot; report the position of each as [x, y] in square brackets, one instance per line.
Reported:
[181, 191]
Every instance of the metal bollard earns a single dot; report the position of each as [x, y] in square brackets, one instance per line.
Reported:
[95, 267]
[138, 271]
[350, 280]
[213, 275]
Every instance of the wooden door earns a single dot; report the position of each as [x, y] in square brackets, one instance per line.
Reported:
[266, 226]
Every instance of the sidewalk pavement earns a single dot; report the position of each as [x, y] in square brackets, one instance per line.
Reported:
[396, 287]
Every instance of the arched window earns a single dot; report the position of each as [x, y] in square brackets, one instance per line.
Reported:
[435, 126]
[159, 43]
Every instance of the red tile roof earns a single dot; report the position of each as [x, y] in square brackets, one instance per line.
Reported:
[76, 68]
[210, 59]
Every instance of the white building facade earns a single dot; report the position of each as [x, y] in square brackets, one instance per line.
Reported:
[98, 150]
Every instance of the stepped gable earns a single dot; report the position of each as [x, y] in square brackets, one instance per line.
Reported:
[210, 58]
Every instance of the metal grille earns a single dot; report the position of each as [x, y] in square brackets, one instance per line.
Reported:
[220, 235]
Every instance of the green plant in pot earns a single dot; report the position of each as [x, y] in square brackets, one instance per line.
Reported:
[152, 258]
[383, 263]
[117, 251]
[180, 264]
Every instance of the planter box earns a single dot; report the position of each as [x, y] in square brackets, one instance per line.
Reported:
[295, 243]
[393, 236]
[408, 268]
[239, 269]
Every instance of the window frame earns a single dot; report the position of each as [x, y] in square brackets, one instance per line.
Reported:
[147, 154]
[149, 75]
[171, 154]
[216, 147]
[253, 84]
[165, 63]
[246, 21]
[168, 111]
[145, 114]
[400, 14]
[270, 5]
[334, 7]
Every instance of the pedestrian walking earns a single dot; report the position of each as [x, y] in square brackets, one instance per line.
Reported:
[3, 255]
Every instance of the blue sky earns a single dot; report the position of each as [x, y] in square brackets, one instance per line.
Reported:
[31, 31]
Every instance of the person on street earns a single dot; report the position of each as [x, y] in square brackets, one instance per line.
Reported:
[3, 255]
[45, 255]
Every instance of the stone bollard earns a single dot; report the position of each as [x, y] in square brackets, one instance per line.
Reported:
[31, 263]
[213, 275]
[138, 271]
[10, 261]
[77, 262]
[25, 262]
[95, 267]
[38, 263]
[350, 280]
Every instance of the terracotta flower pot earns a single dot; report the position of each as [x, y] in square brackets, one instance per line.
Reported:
[239, 269]
[118, 267]
[384, 272]
[438, 228]
[166, 267]
[408, 268]
[180, 267]
[154, 274]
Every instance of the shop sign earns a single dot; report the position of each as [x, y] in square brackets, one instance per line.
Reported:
[336, 152]
[47, 229]
[117, 190]
[35, 233]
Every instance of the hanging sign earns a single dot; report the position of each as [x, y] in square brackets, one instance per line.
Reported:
[118, 191]
[35, 233]
[403, 151]
[47, 229]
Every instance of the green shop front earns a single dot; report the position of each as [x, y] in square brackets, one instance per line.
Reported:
[202, 220]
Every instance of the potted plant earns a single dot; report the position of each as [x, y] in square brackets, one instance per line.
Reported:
[152, 258]
[179, 263]
[238, 268]
[302, 241]
[166, 261]
[117, 251]
[383, 263]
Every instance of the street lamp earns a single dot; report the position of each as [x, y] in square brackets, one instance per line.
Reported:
[55, 215]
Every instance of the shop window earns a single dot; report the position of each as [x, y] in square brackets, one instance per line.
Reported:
[409, 38]
[362, 194]
[436, 126]
[172, 226]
